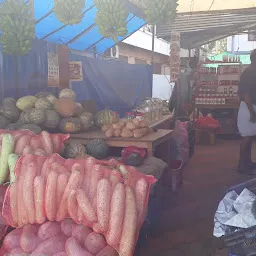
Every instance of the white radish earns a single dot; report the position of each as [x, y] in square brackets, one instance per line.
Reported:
[141, 192]
[116, 215]
[129, 229]
[39, 197]
[104, 193]
[28, 192]
[86, 206]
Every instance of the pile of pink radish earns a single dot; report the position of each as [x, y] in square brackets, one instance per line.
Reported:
[64, 238]
[27, 142]
[108, 197]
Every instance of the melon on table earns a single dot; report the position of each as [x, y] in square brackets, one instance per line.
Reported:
[26, 102]
[105, 117]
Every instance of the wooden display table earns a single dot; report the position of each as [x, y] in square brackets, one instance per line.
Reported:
[152, 141]
[163, 123]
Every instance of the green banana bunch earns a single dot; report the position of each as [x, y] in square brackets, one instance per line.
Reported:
[111, 18]
[17, 27]
[69, 12]
[160, 11]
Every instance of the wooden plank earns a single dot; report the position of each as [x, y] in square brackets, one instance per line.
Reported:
[162, 121]
[152, 137]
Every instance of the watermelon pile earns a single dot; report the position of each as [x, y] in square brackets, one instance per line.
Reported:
[44, 111]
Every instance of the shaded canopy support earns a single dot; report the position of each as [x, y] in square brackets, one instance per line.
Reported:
[228, 33]
[81, 34]
[195, 6]
[63, 26]
[86, 34]
[201, 28]
[101, 39]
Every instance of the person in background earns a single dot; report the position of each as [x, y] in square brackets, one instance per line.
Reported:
[246, 120]
[181, 98]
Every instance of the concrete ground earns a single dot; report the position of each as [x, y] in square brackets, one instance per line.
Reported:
[183, 223]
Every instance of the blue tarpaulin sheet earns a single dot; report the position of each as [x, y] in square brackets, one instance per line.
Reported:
[113, 84]
[87, 40]
[32, 72]
[92, 41]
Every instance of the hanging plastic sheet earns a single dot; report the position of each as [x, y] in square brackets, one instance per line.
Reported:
[113, 84]
[32, 72]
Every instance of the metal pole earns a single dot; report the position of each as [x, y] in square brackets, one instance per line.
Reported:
[233, 45]
[153, 48]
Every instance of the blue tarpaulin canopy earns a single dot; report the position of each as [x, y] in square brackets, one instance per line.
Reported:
[84, 36]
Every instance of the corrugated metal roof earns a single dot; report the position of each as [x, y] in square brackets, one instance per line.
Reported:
[189, 6]
[196, 22]
[213, 5]
[201, 28]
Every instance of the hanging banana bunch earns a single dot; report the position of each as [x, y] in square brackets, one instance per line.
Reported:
[69, 12]
[160, 11]
[111, 18]
[17, 26]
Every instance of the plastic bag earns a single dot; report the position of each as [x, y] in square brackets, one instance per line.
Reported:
[105, 195]
[27, 142]
[207, 123]
[56, 238]
[180, 144]
[126, 151]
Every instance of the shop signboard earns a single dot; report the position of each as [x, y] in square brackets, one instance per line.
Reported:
[53, 69]
[75, 71]
[175, 56]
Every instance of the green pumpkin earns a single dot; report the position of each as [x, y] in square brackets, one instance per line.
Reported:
[43, 103]
[86, 119]
[105, 117]
[31, 127]
[98, 148]
[10, 111]
[74, 149]
[67, 94]
[37, 116]
[9, 101]
[70, 125]
[4, 122]
[24, 116]
[52, 119]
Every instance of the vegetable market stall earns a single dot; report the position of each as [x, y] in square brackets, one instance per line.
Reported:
[150, 141]
[216, 90]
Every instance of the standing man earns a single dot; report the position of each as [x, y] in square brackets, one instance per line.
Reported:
[246, 120]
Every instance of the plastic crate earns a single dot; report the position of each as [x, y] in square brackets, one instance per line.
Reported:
[243, 242]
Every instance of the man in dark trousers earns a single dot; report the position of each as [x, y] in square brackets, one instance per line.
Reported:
[246, 120]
